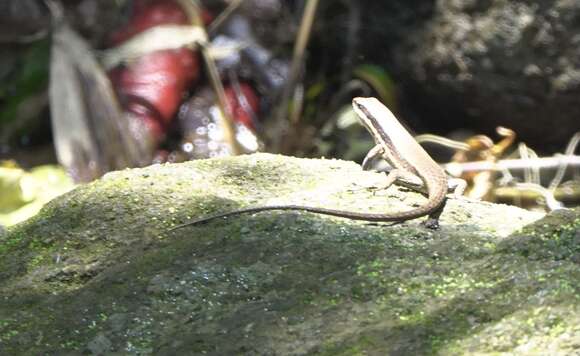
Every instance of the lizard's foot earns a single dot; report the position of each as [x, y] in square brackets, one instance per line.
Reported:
[431, 223]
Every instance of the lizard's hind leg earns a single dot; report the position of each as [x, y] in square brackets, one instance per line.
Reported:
[432, 221]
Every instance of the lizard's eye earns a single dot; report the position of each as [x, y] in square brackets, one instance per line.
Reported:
[364, 110]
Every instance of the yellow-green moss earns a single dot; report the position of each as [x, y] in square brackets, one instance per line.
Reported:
[98, 271]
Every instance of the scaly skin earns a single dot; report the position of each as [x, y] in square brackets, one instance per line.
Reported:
[398, 148]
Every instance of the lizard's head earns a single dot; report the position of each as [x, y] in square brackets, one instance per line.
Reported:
[363, 108]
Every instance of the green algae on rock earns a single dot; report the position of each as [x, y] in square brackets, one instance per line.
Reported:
[97, 272]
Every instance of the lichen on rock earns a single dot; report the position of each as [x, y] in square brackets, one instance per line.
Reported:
[98, 271]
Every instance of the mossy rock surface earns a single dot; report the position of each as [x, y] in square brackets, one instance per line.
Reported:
[98, 272]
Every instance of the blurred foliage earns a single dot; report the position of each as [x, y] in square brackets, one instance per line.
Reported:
[381, 82]
[23, 193]
[341, 134]
[28, 77]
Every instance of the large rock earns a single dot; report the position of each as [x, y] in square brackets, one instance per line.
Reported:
[98, 272]
[509, 63]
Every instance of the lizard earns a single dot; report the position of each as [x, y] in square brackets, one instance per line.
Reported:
[411, 164]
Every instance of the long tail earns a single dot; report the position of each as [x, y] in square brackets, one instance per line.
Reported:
[400, 216]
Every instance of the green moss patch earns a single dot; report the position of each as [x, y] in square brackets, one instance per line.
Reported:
[99, 272]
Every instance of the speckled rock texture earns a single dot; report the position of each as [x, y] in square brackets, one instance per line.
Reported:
[98, 272]
[498, 62]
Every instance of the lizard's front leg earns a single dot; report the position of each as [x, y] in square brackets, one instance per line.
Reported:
[458, 186]
[403, 178]
[411, 181]
[375, 152]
